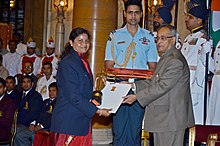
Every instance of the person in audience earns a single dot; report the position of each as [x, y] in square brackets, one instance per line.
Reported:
[30, 56]
[75, 87]
[27, 70]
[7, 109]
[29, 111]
[3, 71]
[44, 82]
[44, 121]
[21, 48]
[49, 57]
[11, 91]
[2, 50]
[11, 59]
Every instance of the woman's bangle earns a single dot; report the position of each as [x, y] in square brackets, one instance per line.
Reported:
[100, 112]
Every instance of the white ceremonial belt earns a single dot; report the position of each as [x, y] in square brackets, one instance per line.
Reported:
[192, 67]
[217, 72]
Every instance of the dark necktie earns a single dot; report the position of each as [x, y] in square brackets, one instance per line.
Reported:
[24, 94]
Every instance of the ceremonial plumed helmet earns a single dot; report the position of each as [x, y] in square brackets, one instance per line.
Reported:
[31, 43]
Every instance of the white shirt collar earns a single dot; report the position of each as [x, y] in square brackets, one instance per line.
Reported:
[26, 92]
[9, 92]
[2, 97]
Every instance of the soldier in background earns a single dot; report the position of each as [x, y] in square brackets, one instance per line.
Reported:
[49, 57]
[30, 56]
[194, 49]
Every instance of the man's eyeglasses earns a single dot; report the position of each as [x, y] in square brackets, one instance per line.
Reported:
[26, 67]
[163, 38]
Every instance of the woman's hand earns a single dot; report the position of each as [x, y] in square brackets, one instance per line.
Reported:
[103, 112]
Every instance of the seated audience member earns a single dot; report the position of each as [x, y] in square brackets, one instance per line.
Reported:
[44, 120]
[2, 50]
[3, 71]
[29, 111]
[27, 70]
[11, 59]
[44, 82]
[30, 56]
[11, 91]
[7, 109]
[49, 57]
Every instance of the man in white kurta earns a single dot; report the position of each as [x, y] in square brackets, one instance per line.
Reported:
[11, 59]
[44, 82]
[214, 100]
[194, 49]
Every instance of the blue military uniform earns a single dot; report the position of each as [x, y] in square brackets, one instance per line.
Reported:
[46, 113]
[127, 122]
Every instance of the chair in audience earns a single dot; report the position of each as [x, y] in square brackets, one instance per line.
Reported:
[200, 133]
[214, 139]
[145, 136]
[13, 131]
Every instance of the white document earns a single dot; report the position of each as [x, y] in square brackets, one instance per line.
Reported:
[113, 94]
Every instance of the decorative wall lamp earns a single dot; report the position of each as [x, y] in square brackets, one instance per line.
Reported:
[60, 6]
[12, 4]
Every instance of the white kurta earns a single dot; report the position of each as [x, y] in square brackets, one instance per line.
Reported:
[213, 117]
[36, 63]
[42, 86]
[10, 62]
[54, 63]
[21, 49]
[194, 51]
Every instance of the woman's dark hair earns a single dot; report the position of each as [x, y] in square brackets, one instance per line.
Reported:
[66, 50]
[78, 31]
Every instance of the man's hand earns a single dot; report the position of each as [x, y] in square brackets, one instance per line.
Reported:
[129, 99]
[31, 127]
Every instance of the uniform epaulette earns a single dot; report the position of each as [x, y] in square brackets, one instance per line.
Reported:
[109, 38]
[151, 33]
[113, 31]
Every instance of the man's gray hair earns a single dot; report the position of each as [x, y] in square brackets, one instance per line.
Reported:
[171, 29]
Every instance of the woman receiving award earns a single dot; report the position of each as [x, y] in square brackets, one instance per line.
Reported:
[71, 119]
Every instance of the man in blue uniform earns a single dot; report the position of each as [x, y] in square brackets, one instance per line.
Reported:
[134, 48]
[29, 111]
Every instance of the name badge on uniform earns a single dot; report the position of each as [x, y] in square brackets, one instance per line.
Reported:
[193, 41]
[144, 40]
[122, 42]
